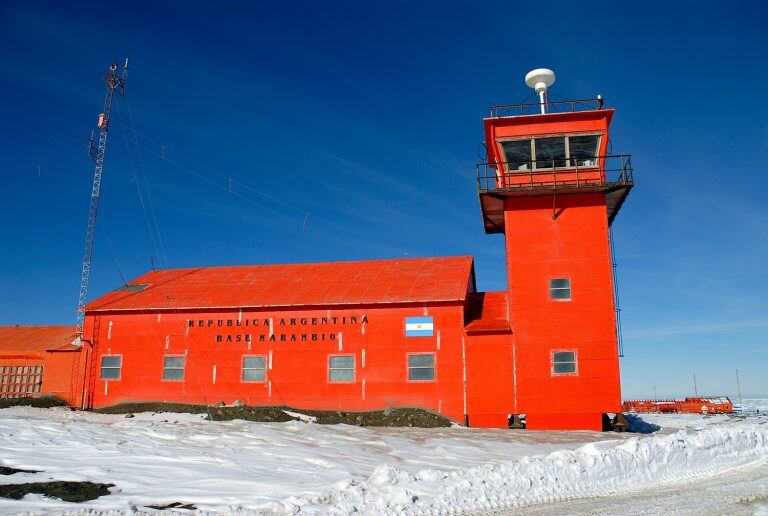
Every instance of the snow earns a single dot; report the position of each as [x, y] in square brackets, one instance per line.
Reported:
[752, 406]
[301, 417]
[303, 467]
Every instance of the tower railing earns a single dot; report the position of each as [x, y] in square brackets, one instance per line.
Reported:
[559, 106]
[555, 174]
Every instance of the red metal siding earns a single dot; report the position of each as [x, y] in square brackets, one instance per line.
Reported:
[33, 341]
[573, 245]
[490, 380]
[422, 280]
[298, 375]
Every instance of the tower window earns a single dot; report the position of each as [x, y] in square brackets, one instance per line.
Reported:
[517, 153]
[110, 367]
[583, 150]
[341, 368]
[173, 367]
[421, 367]
[560, 289]
[550, 151]
[254, 369]
[563, 362]
[542, 152]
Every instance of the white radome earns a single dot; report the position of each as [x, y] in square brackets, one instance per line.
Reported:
[540, 79]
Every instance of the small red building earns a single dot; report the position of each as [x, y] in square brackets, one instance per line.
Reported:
[402, 332]
[26, 352]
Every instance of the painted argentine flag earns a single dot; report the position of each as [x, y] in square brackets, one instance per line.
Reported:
[419, 326]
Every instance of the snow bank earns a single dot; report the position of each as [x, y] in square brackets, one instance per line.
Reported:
[638, 463]
[240, 466]
[157, 459]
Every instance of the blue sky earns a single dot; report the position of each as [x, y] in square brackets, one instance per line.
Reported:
[350, 131]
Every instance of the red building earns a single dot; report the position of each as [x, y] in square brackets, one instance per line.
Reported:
[26, 352]
[403, 332]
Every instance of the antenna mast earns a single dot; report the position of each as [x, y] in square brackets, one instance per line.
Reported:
[540, 79]
[115, 84]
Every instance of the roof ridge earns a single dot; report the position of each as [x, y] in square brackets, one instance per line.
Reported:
[291, 264]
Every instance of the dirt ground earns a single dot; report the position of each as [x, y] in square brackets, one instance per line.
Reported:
[397, 417]
[67, 491]
[43, 402]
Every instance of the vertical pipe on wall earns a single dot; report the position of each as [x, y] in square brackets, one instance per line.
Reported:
[464, 375]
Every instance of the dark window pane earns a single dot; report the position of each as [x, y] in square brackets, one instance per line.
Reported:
[565, 367]
[421, 360]
[560, 293]
[550, 150]
[253, 362]
[110, 373]
[342, 362]
[254, 375]
[111, 361]
[421, 373]
[173, 374]
[564, 356]
[560, 283]
[583, 150]
[517, 153]
[342, 375]
[173, 362]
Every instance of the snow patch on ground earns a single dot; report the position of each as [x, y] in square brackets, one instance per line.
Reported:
[682, 421]
[297, 467]
[301, 417]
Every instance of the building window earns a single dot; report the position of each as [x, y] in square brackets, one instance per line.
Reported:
[421, 367]
[550, 152]
[518, 154]
[543, 152]
[20, 381]
[173, 367]
[254, 369]
[563, 362]
[110, 367]
[341, 368]
[582, 150]
[560, 289]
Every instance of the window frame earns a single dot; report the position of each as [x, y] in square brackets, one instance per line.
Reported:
[575, 362]
[184, 369]
[354, 368]
[561, 299]
[243, 368]
[119, 369]
[408, 366]
[568, 159]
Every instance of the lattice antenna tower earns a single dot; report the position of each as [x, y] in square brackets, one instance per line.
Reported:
[115, 82]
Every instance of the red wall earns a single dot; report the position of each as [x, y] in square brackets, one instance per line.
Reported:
[299, 369]
[574, 245]
[490, 380]
[59, 367]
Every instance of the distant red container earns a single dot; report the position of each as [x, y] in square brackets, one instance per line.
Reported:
[713, 405]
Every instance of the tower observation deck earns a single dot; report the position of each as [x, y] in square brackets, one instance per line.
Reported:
[559, 152]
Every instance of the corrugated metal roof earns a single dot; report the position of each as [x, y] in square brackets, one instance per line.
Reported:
[411, 280]
[34, 340]
[488, 313]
